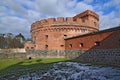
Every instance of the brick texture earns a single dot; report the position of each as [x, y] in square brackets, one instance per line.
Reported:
[50, 33]
[106, 39]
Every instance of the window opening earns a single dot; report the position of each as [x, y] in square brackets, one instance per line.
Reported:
[70, 45]
[46, 46]
[97, 43]
[81, 44]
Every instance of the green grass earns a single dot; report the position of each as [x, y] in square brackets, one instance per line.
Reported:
[4, 63]
[43, 61]
[18, 67]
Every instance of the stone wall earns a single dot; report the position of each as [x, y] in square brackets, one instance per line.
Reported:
[13, 53]
[20, 50]
[101, 57]
[46, 53]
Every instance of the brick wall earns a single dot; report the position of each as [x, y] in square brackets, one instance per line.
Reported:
[106, 39]
[29, 45]
[50, 33]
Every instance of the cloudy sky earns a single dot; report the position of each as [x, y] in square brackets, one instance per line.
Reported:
[16, 16]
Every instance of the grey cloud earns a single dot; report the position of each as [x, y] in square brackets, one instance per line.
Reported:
[14, 25]
[47, 7]
[14, 6]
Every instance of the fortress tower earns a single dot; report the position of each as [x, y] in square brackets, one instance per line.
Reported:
[50, 33]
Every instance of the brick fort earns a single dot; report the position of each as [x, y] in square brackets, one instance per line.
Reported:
[50, 34]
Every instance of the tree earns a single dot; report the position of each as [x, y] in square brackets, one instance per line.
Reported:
[9, 41]
[2, 41]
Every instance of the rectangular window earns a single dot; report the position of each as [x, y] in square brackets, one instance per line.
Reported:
[46, 36]
[27, 47]
[32, 47]
[97, 43]
[119, 42]
[62, 45]
[95, 23]
[83, 20]
[81, 45]
[70, 45]
[65, 36]
[46, 47]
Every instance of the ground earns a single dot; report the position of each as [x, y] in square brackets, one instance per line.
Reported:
[13, 68]
[54, 69]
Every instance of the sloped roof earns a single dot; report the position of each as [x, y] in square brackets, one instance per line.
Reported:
[20, 36]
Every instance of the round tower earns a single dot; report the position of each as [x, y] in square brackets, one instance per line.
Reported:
[49, 34]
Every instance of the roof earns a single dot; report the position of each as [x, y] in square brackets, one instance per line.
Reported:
[20, 36]
[94, 33]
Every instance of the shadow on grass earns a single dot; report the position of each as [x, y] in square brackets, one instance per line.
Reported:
[23, 67]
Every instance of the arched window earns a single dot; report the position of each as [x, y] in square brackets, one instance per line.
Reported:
[95, 23]
[27, 47]
[70, 45]
[32, 47]
[83, 20]
[62, 45]
[81, 45]
[46, 47]
[65, 36]
[97, 43]
[46, 36]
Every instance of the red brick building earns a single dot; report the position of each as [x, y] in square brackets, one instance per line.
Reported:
[50, 33]
[80, 32]
[29, 45]
[105, 39]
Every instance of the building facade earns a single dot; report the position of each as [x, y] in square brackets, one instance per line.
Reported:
[103, 40]
[49, 34]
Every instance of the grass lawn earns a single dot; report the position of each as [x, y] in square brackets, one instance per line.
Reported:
[17, 67]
